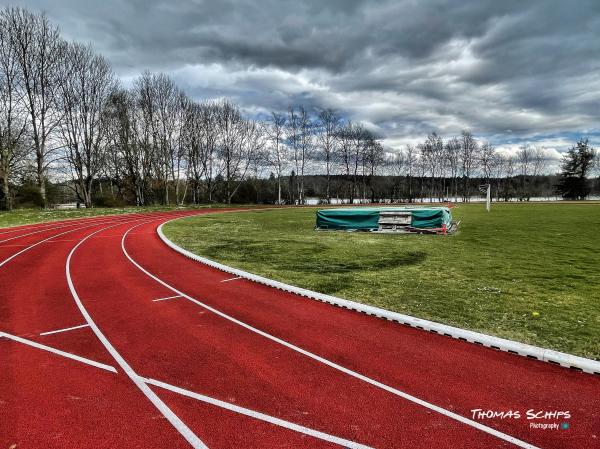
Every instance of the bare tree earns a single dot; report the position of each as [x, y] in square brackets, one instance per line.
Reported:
[497, 170]
[129, 143]
[486, 160]
[240, 141]
[525, 160]
[452, 156]
[411, 168]
[432, 156]
[509, 171]
[329, 124]
[373, 161]
[38, 50]
[179, 151]
[192, 140]
[251, 152]
[210, 139]
[84, 95]
[300, 135]
[360, 140]
[167, 105]
[276, 157]
[468, 160]
[344, 151]
[397, 164]
[13, 123]
[539, 161]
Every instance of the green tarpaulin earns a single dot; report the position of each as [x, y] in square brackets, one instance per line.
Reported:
[367, 218]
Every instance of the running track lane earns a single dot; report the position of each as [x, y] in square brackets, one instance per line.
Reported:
[456, 375]
[53, 402]
[20, 238]
[12, 230]
[206, 354]
[254, 433]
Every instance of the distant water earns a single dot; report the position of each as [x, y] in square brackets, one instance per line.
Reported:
[313, 201]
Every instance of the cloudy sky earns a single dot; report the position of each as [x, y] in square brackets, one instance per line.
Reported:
[511, 71]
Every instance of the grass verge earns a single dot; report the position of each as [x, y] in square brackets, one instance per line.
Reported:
[527, 272]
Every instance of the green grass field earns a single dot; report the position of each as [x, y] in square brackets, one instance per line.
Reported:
[528, 272]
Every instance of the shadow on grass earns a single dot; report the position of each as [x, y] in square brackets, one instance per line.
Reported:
[339, 266]
[312, 259]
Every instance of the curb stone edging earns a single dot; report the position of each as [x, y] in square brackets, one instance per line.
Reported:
[514, 347]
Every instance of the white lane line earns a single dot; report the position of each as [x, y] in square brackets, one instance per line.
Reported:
[99, 220]
[66, 329]
[258, 415]
[175, 421]
[402, 394]
[52, 225]
[58, 351]
[8, 259]
[168, 297]
[231, 279]
[36, 232]
[96, 223]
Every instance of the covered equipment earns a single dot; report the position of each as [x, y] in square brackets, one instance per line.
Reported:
[386, 219]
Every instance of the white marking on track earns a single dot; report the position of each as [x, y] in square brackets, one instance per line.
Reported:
[58, 352]
[8, 259]
[168, 297]
[96, 223]
[231, 279]
[175, 421]
[66, 329]
[395, 391]
[35, 232]
[96, 220]
[258, 415]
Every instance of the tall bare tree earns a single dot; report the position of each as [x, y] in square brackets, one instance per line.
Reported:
[13, 118]
[432, 156]
[539, 161]
[129, 144]
[452, 156]
[38, 50]
[300, 135]
[486, 160]
[525, 161]
[83, 99]
[329, 124]
[277, 154]
[468, 160]
[240, 141]
[373, 162]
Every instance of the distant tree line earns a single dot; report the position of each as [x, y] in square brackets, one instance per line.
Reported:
[70, 131]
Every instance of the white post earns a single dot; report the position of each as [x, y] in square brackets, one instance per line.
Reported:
[488, 201]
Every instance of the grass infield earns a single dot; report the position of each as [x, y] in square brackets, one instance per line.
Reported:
[527, 272]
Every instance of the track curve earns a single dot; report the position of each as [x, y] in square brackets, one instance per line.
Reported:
[239, 364]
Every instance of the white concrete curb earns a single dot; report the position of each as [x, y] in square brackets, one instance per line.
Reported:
[533, 352]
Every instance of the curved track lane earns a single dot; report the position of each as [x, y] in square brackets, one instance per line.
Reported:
[239, 364]
[47, 400]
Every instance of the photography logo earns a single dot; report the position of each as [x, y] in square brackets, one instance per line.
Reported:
[538, 419]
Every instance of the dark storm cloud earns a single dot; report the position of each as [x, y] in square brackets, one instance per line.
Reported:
[509, 70]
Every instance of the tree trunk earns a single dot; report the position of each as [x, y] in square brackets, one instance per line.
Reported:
[41, 181]
[279, 189]
[6, 190]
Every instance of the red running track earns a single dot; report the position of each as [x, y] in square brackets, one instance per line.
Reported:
[240, 365]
